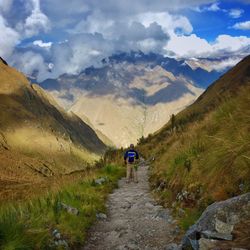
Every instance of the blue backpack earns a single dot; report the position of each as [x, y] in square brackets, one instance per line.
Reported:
[131, 155]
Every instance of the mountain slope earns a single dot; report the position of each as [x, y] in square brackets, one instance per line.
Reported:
[203, 155]
[37, 137]
[127, 111]
[129, 97]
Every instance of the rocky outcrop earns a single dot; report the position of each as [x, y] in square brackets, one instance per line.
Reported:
[221, 224]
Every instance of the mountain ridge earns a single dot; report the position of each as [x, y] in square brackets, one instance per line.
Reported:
[39, 139]
[133, 86]
[227, 85]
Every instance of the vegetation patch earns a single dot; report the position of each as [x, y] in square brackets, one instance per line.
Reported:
[57, 219]
[189, 218]
[204, 160]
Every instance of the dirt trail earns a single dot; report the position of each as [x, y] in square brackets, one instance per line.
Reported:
[134, 220]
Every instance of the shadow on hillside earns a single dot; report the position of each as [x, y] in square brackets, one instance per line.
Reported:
[29, 108]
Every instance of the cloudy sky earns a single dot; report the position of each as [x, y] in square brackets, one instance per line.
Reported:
[52, 37]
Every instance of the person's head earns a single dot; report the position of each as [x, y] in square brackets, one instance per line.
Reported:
[132, 146]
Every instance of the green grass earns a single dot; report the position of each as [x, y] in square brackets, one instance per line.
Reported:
[209, 157]
[191, 216]
[29, 225]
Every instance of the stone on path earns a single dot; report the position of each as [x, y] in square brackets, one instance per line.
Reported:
[101, 216]
[133, 220]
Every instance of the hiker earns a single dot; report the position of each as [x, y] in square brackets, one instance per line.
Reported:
[130, 158]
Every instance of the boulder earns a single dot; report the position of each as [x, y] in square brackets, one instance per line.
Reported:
[217, 222]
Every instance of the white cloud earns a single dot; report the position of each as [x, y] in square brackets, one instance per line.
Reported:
[95, 52]
[149, 45]
[214, 7]
[42, 44]
[29, 62]
[235, 13]
[64, 13]
[125, 35]
[94, 29]
[188, 46]
[79, 52]
[84, 50]
[230, 43]
[96, 22]
[224, 64]
[34, 23]
[50, 66]
[131, 29]
[242, 26]
[193, 46]
[8, 39]
[5, 5]
[60, 9]
[167, 21]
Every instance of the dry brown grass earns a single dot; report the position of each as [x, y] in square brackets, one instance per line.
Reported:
[213, 135]
[217, 162]
[38, 139]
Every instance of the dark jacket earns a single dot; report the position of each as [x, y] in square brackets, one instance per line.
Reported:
[131, 155]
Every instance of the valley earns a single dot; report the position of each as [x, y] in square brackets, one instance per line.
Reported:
[131, 95]
[52, 159]
[124, 125]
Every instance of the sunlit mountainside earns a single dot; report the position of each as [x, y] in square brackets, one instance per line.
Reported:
[38, 138]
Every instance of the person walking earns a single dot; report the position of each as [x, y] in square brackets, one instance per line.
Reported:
[131, 157]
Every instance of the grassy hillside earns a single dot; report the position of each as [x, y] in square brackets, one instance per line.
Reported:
[32, 224]
[203, 154]
[47, 175]
[38, 139]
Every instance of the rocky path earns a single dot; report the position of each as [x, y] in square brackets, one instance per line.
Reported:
[134, 220]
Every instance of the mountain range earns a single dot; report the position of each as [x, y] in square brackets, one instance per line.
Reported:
[131, 95]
